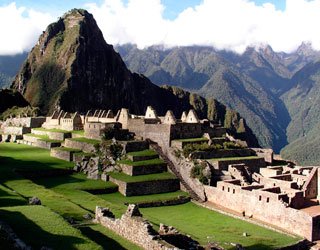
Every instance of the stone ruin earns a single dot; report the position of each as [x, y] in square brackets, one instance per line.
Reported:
[133, 227]
[284, 196]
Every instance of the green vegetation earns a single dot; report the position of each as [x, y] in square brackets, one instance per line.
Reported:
[48, 227]
[140, 178]
[78, 132]
[86, 140]
[197, 172]
[119, 199]
[71, 197]
[142, 163]
[193, 140]
[202, 223]
[18, 111]
[69, 149]
[53, 130]
[147, 152]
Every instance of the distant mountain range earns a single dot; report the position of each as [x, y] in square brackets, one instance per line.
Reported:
[9, 66]
[277, 93]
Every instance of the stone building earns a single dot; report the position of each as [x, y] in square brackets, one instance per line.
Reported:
[64, 120]
[284, 196]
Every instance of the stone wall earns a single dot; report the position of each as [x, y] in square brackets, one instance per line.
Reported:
[146, 187]
[46, 144]
[30, 138]
[143, 170]
[84, 146]
[255, 163]
[16, 130]
[260, 206]
[183, 167]
[61, 154]
[134, 228]
[58, 135]
[222, 153]
[31, 122]
[266, 153]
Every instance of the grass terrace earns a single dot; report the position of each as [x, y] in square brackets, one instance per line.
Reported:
[147, 152]
[141, 178]
[48, 227]
[78, 132]
[202, 139]
[142, 163]
[53, 130]
[203, 225]
[236, 158]
[68, 149]
[119, 199]
[86, 140]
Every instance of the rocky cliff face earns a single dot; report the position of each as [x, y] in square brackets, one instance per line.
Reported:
[74, 69]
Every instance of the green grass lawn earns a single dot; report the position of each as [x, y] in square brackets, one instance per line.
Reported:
[201, 223]
[120, 199]
[147, 152]
[44, 138]
[38, 226]
[87, 140]
[193, 140]
[53, 130]
[69, 196]
[78, 132]
[235, 158]
[140, 178]
[64, 195]
[142, 163]
[68, 149]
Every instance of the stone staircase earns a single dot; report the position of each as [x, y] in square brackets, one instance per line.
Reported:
[171, 167]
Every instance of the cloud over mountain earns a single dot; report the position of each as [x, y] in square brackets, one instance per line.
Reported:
[224, 24]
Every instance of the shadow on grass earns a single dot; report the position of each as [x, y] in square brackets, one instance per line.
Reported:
[33, 235]
[101, 239]
[11, 168]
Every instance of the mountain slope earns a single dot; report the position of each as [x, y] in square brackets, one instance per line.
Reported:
[230, 78]
[303, 101]
[73, 68]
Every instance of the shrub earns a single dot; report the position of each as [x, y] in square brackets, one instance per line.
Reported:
[231, 145]
[197, 172]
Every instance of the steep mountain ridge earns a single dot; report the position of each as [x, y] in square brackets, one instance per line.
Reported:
[74, 69]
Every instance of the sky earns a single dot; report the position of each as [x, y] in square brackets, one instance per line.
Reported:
[224, 24]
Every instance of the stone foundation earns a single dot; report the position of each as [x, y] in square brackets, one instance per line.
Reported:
[146, 187]
[84, 146]
[143, 170]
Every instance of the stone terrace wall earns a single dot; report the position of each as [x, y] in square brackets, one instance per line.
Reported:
[84, 146]
[254, 164]
[144, 169]
[61, 154]
[252, 203]
[16, 130]
[147, 187]
[133, 228]
[31, 122]
[223, 153]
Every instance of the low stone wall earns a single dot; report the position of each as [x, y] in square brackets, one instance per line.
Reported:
[147, 187]
[30, 138]
[45, 144]
[84, 146]
[142, 170]
[181, 144]
[16, 130]
[142, 157]
[134, 228]
[39, 132]
[251, 203]
[222, 153]
[61, 154]
[132, 146]
[58, 135]
[177, 201]
[255, 163]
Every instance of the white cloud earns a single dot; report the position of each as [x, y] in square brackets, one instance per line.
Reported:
[20, 28]
[225, 24]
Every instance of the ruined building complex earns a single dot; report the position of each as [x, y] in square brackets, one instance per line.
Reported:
[285, 197]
